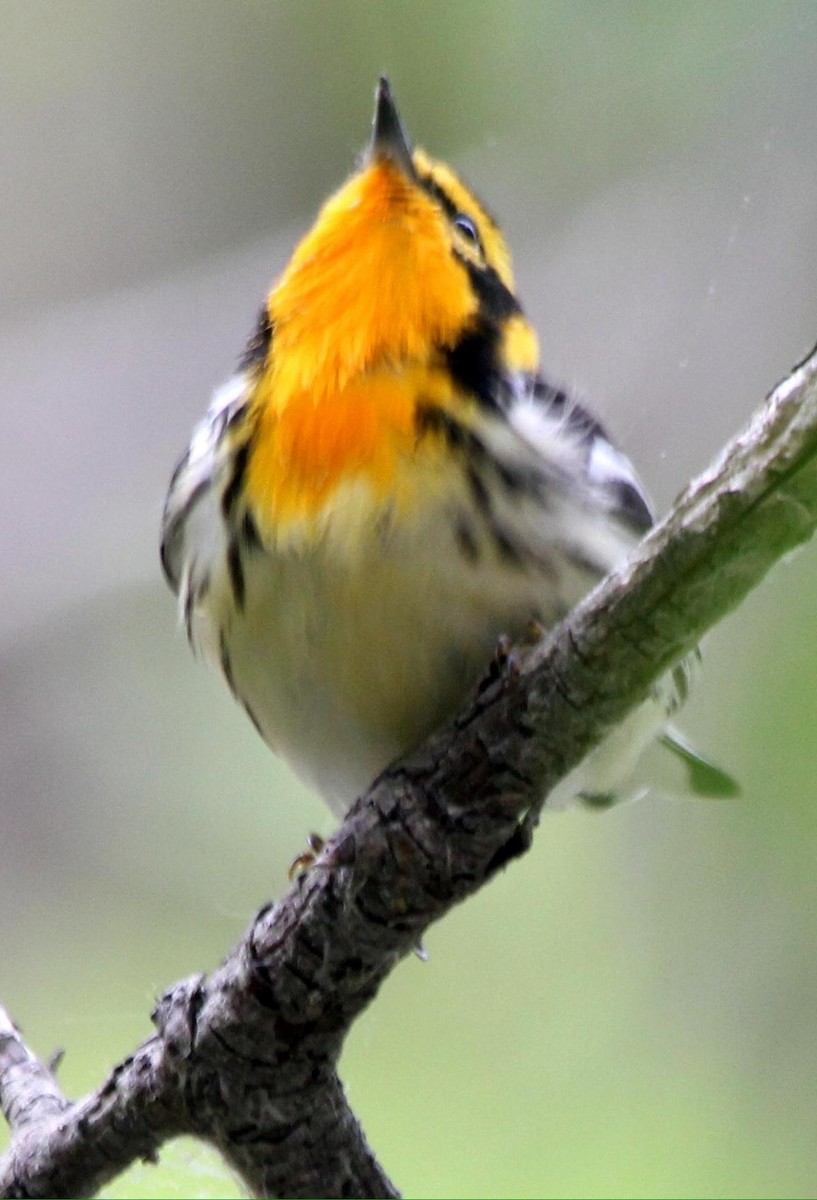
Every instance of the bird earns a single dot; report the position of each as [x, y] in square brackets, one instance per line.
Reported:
[389, 487]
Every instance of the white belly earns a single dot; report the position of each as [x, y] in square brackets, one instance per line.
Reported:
[361, 634]
[344, 668]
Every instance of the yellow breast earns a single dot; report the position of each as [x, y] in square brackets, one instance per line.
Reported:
[362, 316]
[365, 434]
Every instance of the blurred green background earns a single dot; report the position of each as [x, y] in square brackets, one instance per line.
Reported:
[631, 1010]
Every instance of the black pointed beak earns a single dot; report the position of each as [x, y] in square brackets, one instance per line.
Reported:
[388, 135]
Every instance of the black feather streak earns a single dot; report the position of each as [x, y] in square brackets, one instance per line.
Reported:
[560, 404]
[430, 185]
[631, 505]
[496, 301]
[226, 665]
[258, 344]
[478, 489]
[473, 363]
[249, 532]
[188, 614]
[236, 572]
[577, 556]
[233, 489]
[508, 551]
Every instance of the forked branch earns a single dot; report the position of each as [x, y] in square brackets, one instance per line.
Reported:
[245, 1057]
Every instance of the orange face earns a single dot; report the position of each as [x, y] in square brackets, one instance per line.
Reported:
[372, 295]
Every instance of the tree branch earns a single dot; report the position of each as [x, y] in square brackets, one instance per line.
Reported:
[245, 1057]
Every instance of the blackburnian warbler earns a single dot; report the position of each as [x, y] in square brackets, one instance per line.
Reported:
[388, 486]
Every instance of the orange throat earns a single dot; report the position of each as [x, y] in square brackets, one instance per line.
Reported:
[373, 282]
[369, 295]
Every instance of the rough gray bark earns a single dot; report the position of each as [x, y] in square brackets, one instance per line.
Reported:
[245, 1057]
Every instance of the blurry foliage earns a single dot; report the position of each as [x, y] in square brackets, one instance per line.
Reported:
[631, 1010]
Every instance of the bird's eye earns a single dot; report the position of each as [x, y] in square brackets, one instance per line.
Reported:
[467, 228]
